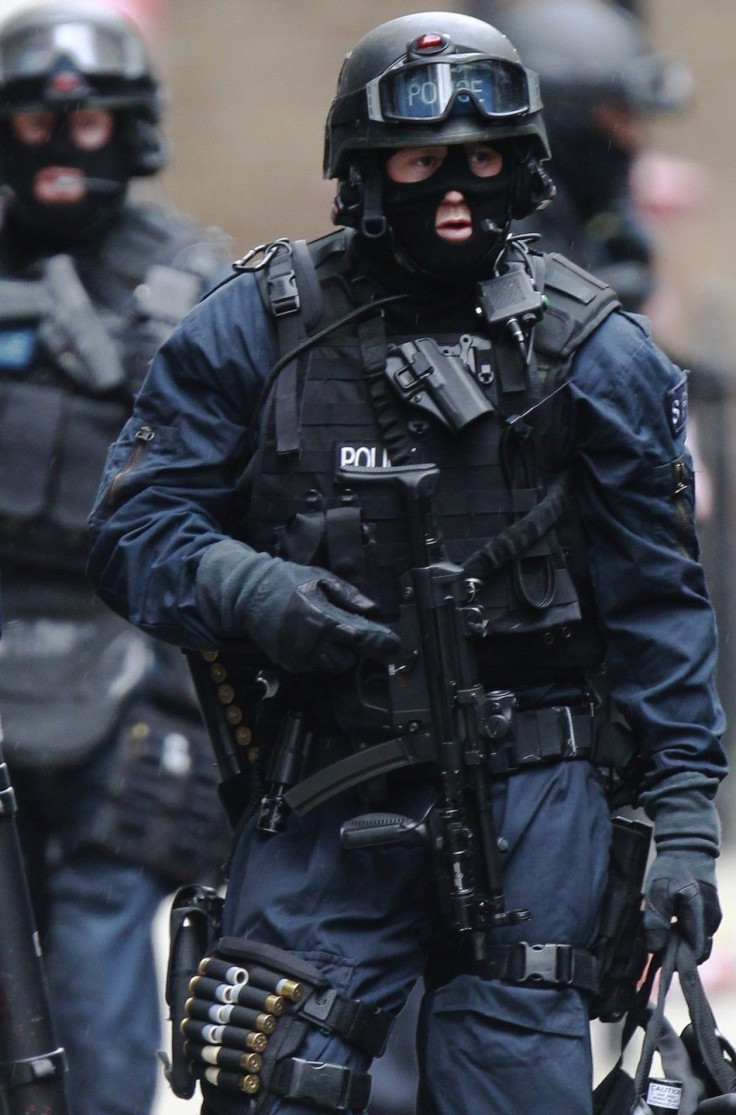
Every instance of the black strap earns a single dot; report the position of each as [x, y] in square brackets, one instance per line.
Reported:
[328, 1087]
[545, 735]
[373, 351]
[285, 305]
[344, 540]
[522, 535]
[364, 1027]
[654, 1025]
[551, 965]
[701, 1016]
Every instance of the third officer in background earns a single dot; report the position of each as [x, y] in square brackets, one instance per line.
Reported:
[601, 82]
[113, 774]
[420, 493]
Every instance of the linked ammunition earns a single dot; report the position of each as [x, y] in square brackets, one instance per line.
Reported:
[232, 1082]
[221, 970]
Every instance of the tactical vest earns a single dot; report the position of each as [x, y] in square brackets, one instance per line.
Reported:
[76, 336]
[332, 404]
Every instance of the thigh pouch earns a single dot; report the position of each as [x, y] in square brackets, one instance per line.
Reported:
[251, 1006]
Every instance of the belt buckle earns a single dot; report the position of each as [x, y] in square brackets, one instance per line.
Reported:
[540, 963]
[547, 963]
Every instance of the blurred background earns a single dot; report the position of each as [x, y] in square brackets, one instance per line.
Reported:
[249, 83]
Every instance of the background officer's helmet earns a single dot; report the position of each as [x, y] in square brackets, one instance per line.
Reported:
[62, 57]
[587, 53]
[432, 78]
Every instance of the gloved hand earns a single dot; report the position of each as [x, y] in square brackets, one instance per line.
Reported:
[681, 882]
[682, 885]
[303, 618]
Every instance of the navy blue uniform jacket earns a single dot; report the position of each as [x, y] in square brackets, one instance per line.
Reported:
[167, 489]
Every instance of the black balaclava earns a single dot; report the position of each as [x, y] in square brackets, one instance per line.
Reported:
[105, 172]
[411, 208]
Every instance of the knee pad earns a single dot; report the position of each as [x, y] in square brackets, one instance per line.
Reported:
[250, 1008]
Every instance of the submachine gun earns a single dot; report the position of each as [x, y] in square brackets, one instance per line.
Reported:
[439, 695]
[32, 1065]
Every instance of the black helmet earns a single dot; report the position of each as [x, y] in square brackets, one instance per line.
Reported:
[399, 85]
[62, 56]
[435, 78]
[590, 52]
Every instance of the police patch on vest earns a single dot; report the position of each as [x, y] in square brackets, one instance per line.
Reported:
[361, 455]
[677, 406]
[17, 347]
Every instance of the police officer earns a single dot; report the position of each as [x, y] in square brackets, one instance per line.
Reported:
[102, 734]
[602, 81]
[229, 521]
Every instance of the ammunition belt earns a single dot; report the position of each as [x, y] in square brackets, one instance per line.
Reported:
[250, 1005]
[545, 735]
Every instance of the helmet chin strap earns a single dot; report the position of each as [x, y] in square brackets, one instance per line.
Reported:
[373, 222]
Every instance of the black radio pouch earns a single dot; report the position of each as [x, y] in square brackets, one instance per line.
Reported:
[620, 948]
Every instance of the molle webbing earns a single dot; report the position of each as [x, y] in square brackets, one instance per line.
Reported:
[336, 407]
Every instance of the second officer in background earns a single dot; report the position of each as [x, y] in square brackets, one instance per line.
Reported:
[112, 772]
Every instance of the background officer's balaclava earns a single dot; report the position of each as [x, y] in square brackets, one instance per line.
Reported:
[591, 55]
[429, 79]
[59, 58]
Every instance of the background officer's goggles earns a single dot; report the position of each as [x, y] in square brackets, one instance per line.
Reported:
[428, 91]
[34, 51]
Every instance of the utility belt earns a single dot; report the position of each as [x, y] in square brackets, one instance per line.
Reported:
[544, 735]
[535, 965]
[517, 740]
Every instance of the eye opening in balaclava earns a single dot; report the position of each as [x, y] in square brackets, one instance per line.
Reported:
[84, 188]
[411, 210]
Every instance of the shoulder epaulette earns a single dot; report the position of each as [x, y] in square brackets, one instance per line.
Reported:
[577, 303]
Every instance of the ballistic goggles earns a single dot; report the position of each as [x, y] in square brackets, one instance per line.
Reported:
[428, 91]
[657, 83]
[31, 52]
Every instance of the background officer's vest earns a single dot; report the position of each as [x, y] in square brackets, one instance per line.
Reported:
[76, 336]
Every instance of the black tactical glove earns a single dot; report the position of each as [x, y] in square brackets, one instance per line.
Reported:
[682, 885]
[680, 890]
[304, 619]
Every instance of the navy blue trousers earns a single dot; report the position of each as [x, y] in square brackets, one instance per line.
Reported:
[365, 919]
